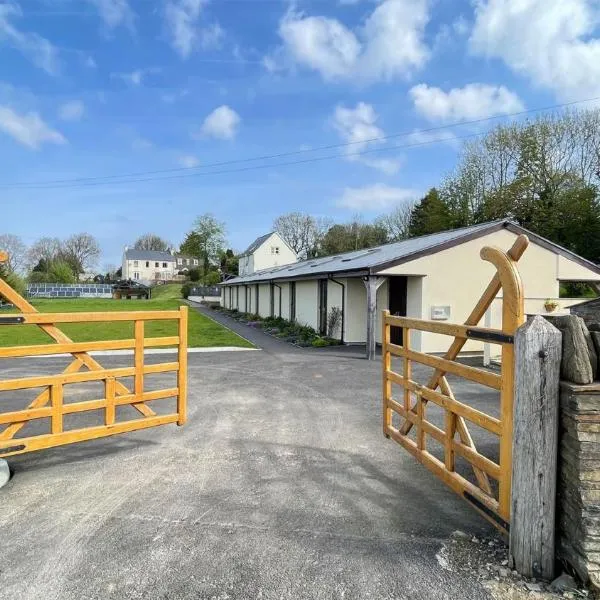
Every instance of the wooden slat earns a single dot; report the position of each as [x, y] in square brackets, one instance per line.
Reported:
[487, 378]
[182, 373]
[67, 378]
[110, 414]
[472, 414]
[480, 461]
[429, 428]
[29, 444]
[56, 399]
[452, 329]
[74, 347]
[37, 318]
[407, 366]
[386, 363]
[138, 384]
[454, 480]
[420, 418]
[450, 426]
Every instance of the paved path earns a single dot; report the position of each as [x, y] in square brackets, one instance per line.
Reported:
[280, 486]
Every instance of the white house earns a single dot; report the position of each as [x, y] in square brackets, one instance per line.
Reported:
[266, 252]
[150, 266]
[435, 276]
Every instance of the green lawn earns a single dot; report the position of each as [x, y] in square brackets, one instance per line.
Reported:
[202, 333]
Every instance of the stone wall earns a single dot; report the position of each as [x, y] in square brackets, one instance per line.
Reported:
[578, 489]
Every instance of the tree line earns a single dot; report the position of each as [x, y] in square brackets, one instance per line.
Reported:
[542, 173]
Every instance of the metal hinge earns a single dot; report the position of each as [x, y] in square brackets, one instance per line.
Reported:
[12, 320]
[490, 336]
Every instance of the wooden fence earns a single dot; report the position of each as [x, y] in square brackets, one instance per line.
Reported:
[492, 502]
[50, 401]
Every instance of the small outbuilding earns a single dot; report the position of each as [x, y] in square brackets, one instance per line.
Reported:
[439, 276]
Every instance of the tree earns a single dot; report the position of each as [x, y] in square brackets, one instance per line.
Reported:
[151, 241]
[429, 215]
[46, 248]
[12, 278]
[302, 232]
[81, 251]
[206, 240]
[397, 222]
[229, 263]
[16, 249]
[352, 236]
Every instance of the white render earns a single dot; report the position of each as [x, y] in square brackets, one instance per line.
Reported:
[271, 252]
[449, 279]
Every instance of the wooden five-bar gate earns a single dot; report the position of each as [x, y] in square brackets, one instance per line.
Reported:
[50, 401]
[492, 501]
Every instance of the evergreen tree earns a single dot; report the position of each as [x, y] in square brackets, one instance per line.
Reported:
[429, 215]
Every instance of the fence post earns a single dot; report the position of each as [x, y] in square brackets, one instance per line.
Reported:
[535, 447]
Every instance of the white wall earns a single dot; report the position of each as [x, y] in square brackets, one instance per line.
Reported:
[273, 252]
[335, 293]
[264, 303]
[150, 273]
[307, 303]
[285, 300]
[457, 277]
[356, 311]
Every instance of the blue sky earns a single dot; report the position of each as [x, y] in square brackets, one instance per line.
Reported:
[98, 88]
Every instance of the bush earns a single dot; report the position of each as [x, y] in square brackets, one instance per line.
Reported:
[194, 274]
[320, 343]
[15, 281]
[186, 290]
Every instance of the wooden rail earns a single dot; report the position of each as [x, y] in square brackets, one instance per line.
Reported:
[494, 506]
[50, 402]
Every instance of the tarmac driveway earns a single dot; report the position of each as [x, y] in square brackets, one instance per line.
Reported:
[281, 485]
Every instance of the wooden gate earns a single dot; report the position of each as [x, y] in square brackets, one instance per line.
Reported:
[492, 501]
[50, 401]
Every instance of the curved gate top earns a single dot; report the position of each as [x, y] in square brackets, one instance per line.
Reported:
[400, 416]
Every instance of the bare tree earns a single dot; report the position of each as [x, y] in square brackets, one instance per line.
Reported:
[46, 248]
[151, 241]
[302, 232]
[397, 222]
[81, 251]
[16, 249]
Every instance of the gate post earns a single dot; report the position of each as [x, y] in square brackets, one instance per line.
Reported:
[535, 447]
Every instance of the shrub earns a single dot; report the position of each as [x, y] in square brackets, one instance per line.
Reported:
[186, 290]
[194, 274]
[15, 281]
[61, 272]
[320, 343]
[334, 321]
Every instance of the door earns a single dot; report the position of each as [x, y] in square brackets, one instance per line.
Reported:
[293, 301]
[397, 289]
[323, 306]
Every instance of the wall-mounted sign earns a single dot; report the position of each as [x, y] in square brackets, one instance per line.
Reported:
[440, 313]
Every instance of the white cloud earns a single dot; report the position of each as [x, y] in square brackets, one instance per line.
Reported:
[549, 42]
[114, 12]
[135, 77]
[71, 111]
[375, 197]
[358, 127]
[222, 123]
[182, 17]
[388, 44]
[38, 50]
[469, 103]
[28, 129]
[188, 161]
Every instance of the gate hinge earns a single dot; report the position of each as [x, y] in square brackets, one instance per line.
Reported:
[490, 336]
[12, 320]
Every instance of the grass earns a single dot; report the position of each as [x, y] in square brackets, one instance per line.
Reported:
[203, 332]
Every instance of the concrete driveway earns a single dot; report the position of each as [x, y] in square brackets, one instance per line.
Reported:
[281, 485]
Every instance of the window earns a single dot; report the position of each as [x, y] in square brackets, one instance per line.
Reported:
[180, 261]
[136, 275]
[147, 263]
[135, 263]
[184, 261]
[196, 261]
[274, 249]
[156, 265]
[164, 265]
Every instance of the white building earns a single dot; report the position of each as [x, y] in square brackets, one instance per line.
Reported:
[150, 266]
[266, 252]
[439, 276]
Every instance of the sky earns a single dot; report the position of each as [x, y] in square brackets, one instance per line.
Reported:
[121, 117]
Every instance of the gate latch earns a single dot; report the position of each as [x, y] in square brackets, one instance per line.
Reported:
[12, 320]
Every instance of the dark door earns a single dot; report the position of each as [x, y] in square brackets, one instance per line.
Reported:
[323, 306]
[292, 301]
[397, 304]
[272, 300]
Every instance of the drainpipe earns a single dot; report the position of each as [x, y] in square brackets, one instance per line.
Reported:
[343, 304]
[279, 288]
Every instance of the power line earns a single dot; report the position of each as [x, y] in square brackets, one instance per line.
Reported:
[256, 167]
[140, 176]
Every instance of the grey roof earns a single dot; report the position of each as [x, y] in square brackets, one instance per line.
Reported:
[133, 254]
[374, 260]
[257, 243]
